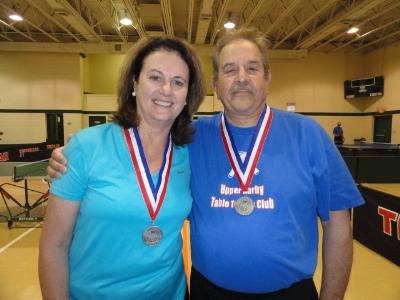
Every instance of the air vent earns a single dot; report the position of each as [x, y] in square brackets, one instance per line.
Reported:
[117, 47]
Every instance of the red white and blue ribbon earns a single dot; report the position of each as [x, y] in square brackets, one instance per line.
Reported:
[244, 171]
[152, 195]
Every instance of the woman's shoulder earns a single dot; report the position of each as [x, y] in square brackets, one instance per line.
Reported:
[181, 150]
[98, 132]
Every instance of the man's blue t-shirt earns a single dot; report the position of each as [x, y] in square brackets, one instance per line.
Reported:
[299, 176]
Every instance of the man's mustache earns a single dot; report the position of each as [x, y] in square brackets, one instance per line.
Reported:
[241, 87]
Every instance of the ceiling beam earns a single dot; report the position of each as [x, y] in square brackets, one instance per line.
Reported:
[305, 22]
[254, 12]
[289, 11]
[190, 20]
[5, 37]
[131, 7]
[358, 10]
[367, 33]
[110, 18]
[76, 20]
[30, 22]
[18, 31]
[204, 21]
[52, 19]
[378, 40]
[167, 17]
[359, 25]
[221, 12]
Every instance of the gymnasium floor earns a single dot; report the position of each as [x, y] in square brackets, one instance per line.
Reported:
[373, 277]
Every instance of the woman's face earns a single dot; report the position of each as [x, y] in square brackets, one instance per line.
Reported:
[162, 88]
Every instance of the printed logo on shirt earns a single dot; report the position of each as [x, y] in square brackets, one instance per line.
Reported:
[229, 194]
[229, 203]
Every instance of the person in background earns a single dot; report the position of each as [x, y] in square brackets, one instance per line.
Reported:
[338, 136]
[113, 223]
[261, 179]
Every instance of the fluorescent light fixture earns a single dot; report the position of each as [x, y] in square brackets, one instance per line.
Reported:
[352, 30]
[15, 17]
[229, 25]
[126, 21]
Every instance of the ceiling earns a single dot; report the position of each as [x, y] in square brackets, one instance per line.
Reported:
[93, 25]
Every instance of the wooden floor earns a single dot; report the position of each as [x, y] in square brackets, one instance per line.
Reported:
[373, 277]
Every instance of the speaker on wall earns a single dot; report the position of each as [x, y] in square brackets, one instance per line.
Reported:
[367, 87]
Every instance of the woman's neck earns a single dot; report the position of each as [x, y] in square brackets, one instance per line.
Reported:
[154, 140]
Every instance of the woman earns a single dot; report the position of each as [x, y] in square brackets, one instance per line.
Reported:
[112, 227]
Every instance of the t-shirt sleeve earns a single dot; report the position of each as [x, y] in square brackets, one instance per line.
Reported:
[72, 184]
[336, 189]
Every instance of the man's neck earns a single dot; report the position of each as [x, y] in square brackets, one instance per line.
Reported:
[244, 120]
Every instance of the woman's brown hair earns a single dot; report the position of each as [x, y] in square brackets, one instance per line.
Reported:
[127, 116]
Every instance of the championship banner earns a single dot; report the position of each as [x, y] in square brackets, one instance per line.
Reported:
[26, 152]
[376, 224]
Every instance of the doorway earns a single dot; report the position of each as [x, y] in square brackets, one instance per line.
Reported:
[96, 120]
[383, 129]
[55, 128]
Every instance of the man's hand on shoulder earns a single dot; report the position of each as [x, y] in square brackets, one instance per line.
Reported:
[57, 164]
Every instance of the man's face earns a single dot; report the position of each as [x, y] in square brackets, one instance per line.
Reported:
[339, 124]
[241, 84]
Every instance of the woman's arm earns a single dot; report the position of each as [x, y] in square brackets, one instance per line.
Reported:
[54, 245]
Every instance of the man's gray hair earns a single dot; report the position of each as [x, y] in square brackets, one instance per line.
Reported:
[248, 34]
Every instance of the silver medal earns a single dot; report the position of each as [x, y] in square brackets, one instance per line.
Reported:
[152, 235]
[244, 206]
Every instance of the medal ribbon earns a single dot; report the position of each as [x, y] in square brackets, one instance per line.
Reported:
[244, 171]
[152, 195]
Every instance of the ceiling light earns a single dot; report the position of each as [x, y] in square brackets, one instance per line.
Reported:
[229, 25]
[15, 17]
[125, 21]
[352, 30]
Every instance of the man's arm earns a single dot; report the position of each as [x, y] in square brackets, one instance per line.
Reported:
[337, 255]
[57, 163]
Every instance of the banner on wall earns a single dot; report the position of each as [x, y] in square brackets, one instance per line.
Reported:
[376, 224]
[26, 152]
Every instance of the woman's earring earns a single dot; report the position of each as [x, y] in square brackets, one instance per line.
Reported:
[134, 93]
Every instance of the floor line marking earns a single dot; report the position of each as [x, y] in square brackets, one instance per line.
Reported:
[18, 238]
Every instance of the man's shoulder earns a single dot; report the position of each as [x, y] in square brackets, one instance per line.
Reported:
[299, 126]
[206, 122]
[293, 118]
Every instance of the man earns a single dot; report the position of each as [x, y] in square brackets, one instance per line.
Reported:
[260, 180]
[338, 136]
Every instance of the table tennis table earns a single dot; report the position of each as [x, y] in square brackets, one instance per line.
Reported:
[365, 148]
[24, 172]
